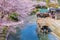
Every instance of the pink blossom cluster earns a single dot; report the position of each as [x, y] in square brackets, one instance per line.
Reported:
[22, 7]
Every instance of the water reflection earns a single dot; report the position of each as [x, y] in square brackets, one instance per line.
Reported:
[43, 36]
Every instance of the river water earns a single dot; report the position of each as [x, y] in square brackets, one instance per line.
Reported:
[29, 32]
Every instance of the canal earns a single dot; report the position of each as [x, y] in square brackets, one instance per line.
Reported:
[29, 33]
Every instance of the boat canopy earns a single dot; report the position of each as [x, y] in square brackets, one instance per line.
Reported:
[43, 10]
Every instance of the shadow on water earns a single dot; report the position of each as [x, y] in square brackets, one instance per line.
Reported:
[49, 36]
[13, 36]
[44, 35]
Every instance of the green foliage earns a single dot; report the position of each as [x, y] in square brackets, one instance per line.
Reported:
[41, 7]
[44, 7]
[4, 32]
[13, 16]
[34, 12]
[37, 7]
[5, 29]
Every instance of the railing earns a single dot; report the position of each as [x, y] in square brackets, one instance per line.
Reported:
[53, 26]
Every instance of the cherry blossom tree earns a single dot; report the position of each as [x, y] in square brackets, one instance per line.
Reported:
[21, 7]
